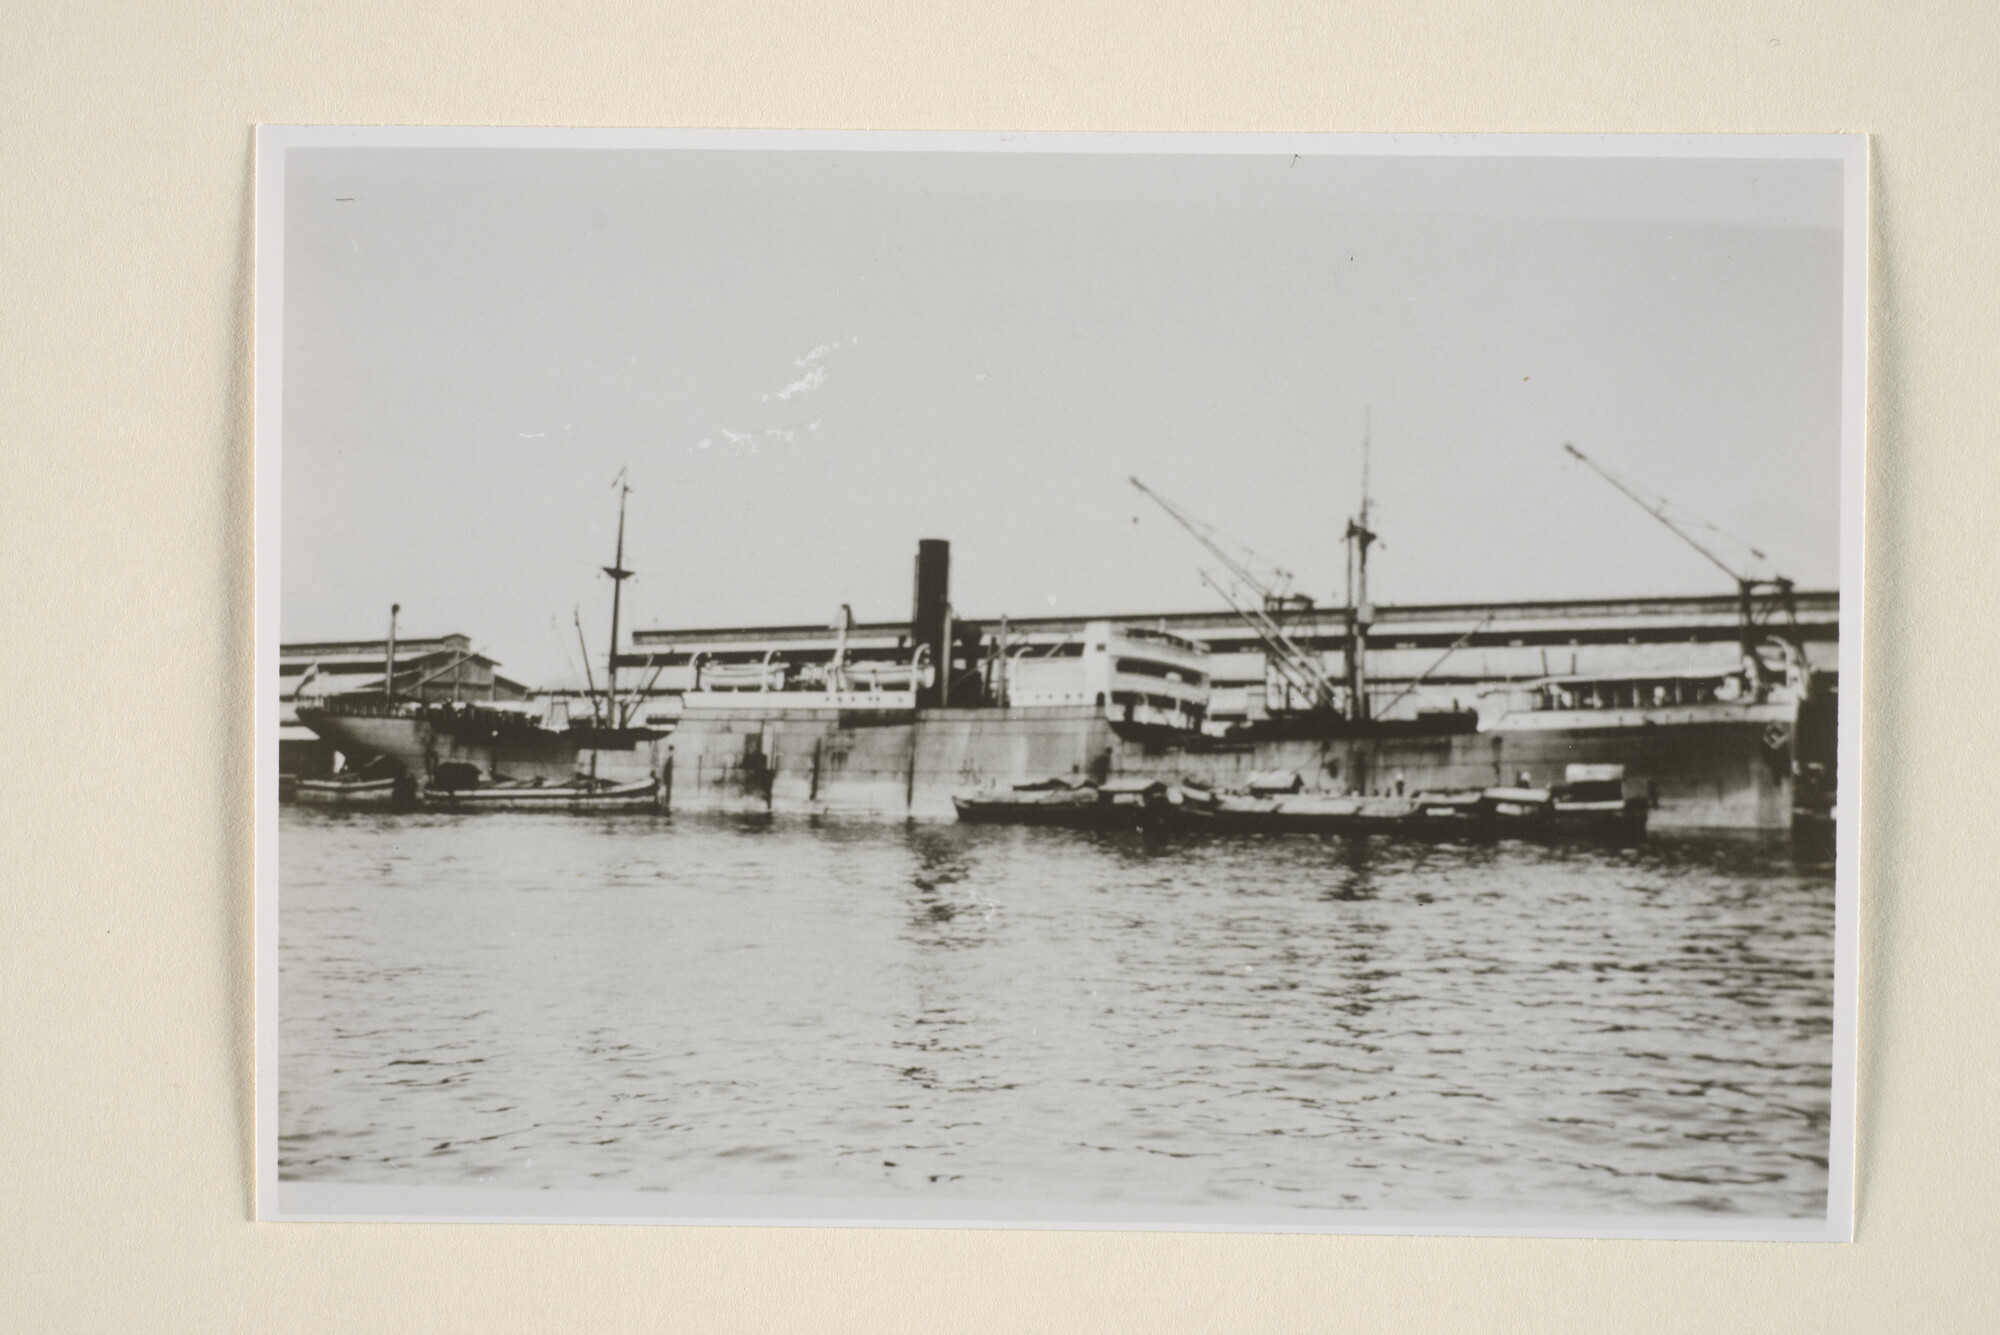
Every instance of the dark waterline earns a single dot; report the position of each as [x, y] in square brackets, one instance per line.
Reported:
[756, 1005]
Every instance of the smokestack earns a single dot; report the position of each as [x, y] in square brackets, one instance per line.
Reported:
[929, 613]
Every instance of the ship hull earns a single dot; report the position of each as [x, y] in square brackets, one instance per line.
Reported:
[1729, 770]
[420, 745]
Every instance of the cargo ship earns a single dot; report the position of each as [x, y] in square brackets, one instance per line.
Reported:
[894, 728]
[1742, 746]
[461, 747]
[963, 710]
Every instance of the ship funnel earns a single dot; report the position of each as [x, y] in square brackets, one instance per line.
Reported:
[930, 614]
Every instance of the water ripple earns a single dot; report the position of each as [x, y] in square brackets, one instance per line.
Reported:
[722, 1005]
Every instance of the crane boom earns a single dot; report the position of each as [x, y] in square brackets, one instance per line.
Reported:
[1237, 557]
[1747, 585]
[1294, 664]
[588, 676]
[1298, 667]
[1658, 511]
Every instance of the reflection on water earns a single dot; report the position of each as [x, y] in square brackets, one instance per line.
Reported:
[758, 1005]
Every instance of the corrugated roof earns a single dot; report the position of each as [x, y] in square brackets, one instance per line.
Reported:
[293, 662]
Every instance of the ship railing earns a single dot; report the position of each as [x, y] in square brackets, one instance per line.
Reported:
[798, 699]
[1184, 692]
[361, 706]
[1147, 635]
[1181, 675]
[1154, 708]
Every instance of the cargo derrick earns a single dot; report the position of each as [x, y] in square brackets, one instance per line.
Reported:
[1756, 608]
[1271, 586]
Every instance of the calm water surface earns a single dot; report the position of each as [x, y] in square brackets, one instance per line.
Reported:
[750, 1005]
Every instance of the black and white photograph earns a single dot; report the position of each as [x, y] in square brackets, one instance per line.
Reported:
[1219, 682]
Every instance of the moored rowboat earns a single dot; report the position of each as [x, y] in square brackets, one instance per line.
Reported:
[1493, 812]
[1111, 805]
[384, 792]
[528, 795]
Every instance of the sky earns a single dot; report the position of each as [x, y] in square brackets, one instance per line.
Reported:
[803, 362]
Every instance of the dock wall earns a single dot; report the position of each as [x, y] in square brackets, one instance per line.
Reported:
[1724, 775]
[830, 761]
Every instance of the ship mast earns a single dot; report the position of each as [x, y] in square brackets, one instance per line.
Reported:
[1359, 614]
[619, 574]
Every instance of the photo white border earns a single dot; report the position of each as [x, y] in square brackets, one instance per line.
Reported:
[351, 1203]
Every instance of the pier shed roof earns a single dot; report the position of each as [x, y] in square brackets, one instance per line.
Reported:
[1691, 619]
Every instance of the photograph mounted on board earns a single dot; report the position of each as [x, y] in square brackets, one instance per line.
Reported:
[1249, 682]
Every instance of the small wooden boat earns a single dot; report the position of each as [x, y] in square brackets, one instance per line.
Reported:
[1623, 818]
[1591, 801]
[1277, 813]
[1115, 803]
[1448, 814]
[1577, 808]
[579, 794]
[1503, 812]
[1516, 807]
[388, 791]
[1322, 813]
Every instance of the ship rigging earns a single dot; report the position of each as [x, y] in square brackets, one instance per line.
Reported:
[1301, 671]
